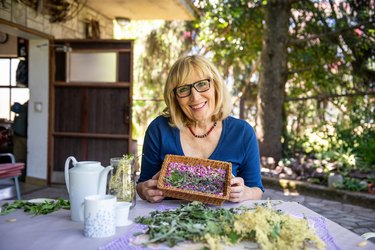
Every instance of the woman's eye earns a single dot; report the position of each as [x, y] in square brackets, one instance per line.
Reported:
[201, 84]
[183, 89]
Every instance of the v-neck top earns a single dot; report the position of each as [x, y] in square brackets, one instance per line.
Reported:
[237, 144]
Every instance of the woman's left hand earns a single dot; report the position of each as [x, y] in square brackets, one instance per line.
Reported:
[237, 188]
[239, 192]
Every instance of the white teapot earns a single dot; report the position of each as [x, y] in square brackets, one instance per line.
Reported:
[85, 178]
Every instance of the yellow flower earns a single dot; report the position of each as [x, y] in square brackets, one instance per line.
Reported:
[273, 230]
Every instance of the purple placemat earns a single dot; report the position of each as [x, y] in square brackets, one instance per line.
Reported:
[125, 242]
[320, 225]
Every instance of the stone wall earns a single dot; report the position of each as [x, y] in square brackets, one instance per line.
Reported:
[18, 13]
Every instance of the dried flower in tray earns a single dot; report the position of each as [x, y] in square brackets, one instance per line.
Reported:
[198, 179]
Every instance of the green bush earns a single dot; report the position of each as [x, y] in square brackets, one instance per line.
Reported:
[346, 147]
[352, 184]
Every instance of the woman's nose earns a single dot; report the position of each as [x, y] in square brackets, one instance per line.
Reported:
[194, 93]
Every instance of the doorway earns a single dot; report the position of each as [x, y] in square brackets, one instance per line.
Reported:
[91, 102]
[38, 106]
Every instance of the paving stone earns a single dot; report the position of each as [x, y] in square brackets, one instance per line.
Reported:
[332, 217]
[330, 212]
[364, 217]
[369, 224]
[314, 204]
[347, 209]
[364, 210]
[361, 230]
[350, 219]
[331, 203]
[349, 206]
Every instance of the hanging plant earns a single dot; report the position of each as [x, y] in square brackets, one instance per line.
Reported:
[58, 10]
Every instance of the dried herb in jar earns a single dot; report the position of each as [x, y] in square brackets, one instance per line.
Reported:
[122, 183]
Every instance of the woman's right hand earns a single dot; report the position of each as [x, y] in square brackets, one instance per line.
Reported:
[148, 190]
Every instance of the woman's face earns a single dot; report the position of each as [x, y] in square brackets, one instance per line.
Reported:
[198, 106]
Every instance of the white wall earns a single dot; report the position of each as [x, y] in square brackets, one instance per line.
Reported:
[37, 131]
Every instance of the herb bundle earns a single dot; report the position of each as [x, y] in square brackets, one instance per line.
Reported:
[196, 178]
[45, 207]
[190, 222]
[269, 228]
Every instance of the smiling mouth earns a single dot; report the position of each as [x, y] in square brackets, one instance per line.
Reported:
[198, 106]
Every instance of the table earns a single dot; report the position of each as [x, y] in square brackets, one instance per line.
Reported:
[57, 231]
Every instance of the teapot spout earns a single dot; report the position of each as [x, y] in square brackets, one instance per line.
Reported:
[103, 180]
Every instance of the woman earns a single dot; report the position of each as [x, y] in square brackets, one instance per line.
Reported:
[197, 124]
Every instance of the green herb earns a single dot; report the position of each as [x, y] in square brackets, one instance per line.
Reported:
[45, 207]
[176, 179]
[195, 222]
[276, 229]
[188, 222]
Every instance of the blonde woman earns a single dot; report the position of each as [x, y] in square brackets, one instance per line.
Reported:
[197, 124]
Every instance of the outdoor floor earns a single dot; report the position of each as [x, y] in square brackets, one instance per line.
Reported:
[358, 219]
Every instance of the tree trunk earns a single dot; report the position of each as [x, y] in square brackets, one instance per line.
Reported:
[272, 80]
[242, 107]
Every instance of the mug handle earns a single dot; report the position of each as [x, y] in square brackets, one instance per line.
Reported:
[66, 171]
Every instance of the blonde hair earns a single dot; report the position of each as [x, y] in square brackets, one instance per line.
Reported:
[179, 72]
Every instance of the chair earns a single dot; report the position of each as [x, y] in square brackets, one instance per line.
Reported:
[12, 169]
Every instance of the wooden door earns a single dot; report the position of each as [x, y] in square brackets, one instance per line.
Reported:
[91, 102]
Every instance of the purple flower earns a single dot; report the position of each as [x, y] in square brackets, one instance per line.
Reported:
[199, 178]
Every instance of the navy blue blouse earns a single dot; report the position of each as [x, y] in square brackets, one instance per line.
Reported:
[237, 144]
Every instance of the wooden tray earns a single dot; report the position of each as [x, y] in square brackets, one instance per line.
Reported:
[195, 195]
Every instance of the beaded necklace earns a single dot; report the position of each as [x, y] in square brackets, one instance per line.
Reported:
[204, 135]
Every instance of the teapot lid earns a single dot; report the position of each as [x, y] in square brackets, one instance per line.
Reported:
[88, 166]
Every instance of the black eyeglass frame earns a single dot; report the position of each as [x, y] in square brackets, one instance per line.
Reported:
[192, 85]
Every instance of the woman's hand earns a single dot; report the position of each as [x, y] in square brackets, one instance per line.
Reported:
[239, 192]
[148, 190]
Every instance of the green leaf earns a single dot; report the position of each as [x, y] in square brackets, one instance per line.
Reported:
[233, 237]
[213, 228]
[35, 208]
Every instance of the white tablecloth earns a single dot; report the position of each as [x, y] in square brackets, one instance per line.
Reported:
[57, 231]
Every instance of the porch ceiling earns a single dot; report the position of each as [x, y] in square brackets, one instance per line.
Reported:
[145, 9]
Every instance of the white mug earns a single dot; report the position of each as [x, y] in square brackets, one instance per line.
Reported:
[99, 216]
[122, 214]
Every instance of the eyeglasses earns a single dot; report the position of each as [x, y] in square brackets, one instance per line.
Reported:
[185, 90]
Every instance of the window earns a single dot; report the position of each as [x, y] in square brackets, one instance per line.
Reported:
[98, 67]
[9, 91]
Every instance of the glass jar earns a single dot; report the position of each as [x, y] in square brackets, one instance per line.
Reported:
[122, 179]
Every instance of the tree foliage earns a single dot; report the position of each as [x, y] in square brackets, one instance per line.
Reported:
[161, 48]
[330, 61]
[231, 33]
[331, 81]
[330, 70]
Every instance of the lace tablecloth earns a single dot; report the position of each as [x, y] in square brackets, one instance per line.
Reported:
[19, 230]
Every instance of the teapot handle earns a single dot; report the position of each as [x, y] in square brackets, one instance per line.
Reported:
[103, 179]
[67, 170]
